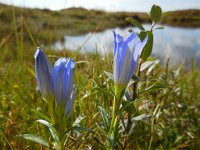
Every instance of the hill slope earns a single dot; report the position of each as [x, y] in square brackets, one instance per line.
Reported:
[47, 26]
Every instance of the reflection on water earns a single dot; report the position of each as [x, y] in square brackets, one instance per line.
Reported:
[178, 44]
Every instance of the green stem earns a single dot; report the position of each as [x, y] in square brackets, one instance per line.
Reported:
[51, 106]
[116, 104]
[115, 112]
[61, 145]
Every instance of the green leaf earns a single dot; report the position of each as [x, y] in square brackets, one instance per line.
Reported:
[150, 65]
[135, 78]
[40, 115]
[100, 129]
[82, 129]
[34, 138]
[155, 13]
[167, 13]
[129, 106]
[146, 52]
[132, 129]
[78, 120]
[141, 117]
[153, 87]
[176, 73]
[156, 62]
[105, 118]
[128, 95]
[135, 23]
[109, 75]
[146, 65]
[51, 129]
[105, 91]
[98, 142]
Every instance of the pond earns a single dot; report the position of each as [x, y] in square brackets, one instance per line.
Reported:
[178, 44]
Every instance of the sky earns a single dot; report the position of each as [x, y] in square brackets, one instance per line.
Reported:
[107, 5]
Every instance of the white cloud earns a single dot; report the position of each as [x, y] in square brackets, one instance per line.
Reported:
[108, 5]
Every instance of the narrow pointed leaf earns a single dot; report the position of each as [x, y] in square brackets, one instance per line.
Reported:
[98, 142]
[146, 65]
[105, 118]
[135, 23]
[109, 75]
[167, 13]
[40, 115]
[83, 129]
[129, 106]
[140, 117]
[51, 129]
[128, 96]
[156, 62]
[78, 120]
[154, 87]
[135, 78]
[105, 91]
[34, 138]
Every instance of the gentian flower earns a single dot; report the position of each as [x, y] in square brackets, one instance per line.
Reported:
[63, 82]
[44, 73]
[126, 52]
[57, 82]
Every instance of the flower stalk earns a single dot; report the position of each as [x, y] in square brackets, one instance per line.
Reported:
[126, 52]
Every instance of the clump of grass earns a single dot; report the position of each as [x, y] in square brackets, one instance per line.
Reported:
[172, 100]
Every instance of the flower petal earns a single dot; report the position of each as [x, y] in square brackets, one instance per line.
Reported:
[63, 79]
[69, 77]
[43, 73]
[126, 52]
[71, 101]
[59, 80]
[117, 39]
[138, 48]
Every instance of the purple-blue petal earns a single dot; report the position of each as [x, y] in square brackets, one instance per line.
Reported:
[59, 79]
[126, 52]
[71, 101]
[44, 73]
[63, 76]
[117, 39]
[69, 77]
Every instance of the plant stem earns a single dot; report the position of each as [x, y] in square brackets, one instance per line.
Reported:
[133, 99]
[115, 112]
[166, 70]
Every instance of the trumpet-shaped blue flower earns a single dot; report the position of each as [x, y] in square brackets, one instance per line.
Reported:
[58, 81]
[126, 52]
[63, 82]
[44, 73]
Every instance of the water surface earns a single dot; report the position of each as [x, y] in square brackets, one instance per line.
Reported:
[178, 44]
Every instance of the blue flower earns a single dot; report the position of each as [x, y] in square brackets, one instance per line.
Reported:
[44, 73]
[63, 82]
[57, 82]
[126, 52]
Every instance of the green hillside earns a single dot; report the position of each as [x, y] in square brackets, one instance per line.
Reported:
[47, 26]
